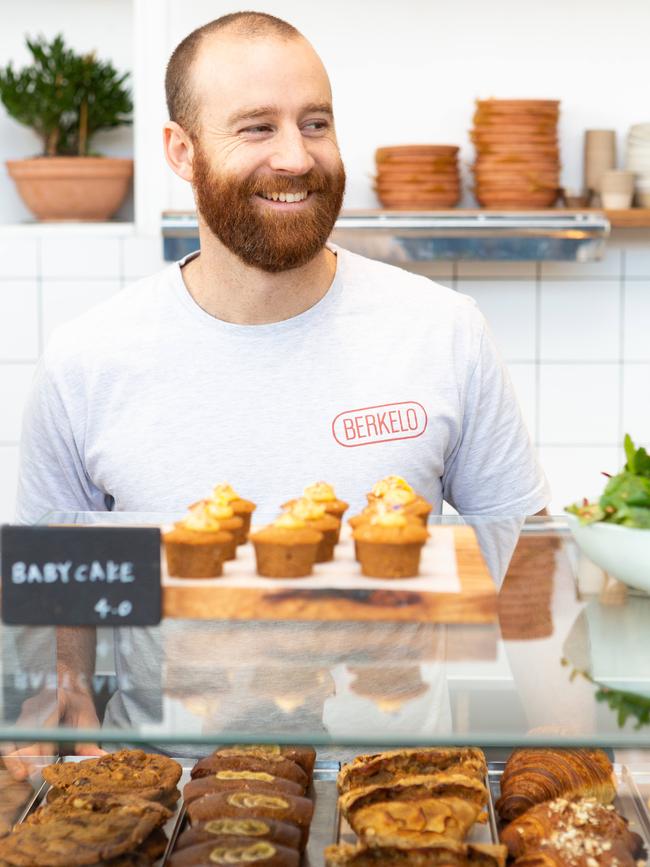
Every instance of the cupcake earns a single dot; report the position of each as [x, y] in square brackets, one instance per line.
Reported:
[322, 493]
[389, 545]
[242, 508]
[286, 548]
[314, 515]
[375, 506]
[395, 491]
[225, 515]
[197, 546]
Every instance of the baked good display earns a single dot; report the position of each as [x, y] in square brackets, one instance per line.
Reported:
[197, 546]
[286, 548]
[236, 850]
[279, 767]
[382, 768]
[389, 545]
[133, 772]
[250, 781]
[242, 508]
[243, 804]
[442, 854]
[304, 756]
[560, 820]
[532, 776]
[315, 516]
[220, 829]
[82, 828]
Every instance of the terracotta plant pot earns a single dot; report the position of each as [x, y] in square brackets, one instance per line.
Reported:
[72, 188]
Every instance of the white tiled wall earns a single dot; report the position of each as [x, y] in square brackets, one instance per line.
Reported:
[576, 338]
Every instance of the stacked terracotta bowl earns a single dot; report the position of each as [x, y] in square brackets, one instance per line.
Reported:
[417, 177]
[517, 154]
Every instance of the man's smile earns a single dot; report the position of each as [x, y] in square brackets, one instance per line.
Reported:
[285, 200]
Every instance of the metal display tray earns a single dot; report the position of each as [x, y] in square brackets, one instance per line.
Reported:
[328, 826]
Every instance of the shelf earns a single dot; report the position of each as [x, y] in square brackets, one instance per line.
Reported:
[633, 218]
[393, 683]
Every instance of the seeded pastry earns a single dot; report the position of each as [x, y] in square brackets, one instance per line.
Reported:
[569, 820]
[382, 768]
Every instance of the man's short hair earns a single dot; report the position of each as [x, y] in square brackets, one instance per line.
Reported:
[182, 104]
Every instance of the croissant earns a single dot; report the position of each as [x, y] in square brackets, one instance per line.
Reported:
[415, 788]
[402, 823]
[532, 776]
[442, 854]
[382, 768]
[586, 817]
[560, 856]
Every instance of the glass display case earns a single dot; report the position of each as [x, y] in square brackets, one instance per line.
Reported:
[558, 657]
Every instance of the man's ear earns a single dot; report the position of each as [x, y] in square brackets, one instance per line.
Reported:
[179, 150]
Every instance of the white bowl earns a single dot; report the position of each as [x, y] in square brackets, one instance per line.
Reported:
[623, 552]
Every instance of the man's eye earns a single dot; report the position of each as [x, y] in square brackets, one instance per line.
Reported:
[318, 124]
[264, 127]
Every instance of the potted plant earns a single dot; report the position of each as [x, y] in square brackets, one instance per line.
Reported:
[66, 98]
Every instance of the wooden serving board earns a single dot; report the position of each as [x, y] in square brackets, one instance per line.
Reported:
[474, 601]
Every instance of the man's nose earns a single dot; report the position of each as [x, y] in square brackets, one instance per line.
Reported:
[290, 154]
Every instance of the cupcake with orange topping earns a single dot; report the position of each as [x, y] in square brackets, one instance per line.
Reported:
[224, 514]
[324, 494]
[314, 515]
[197, 545]
[389, 544]
[242, 508]
[379, 505]
[286, 548]
[396, 491]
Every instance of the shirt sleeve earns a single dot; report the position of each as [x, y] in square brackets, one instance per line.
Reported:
[494, 469]
[51, 473]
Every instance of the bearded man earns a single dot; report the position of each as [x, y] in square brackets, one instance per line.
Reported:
[269, 359]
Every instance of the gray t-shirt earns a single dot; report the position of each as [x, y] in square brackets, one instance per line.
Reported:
[146, 401]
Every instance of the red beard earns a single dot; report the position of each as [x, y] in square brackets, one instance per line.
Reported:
[269, 240]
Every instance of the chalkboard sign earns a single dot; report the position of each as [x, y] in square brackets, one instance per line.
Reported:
[80, 576]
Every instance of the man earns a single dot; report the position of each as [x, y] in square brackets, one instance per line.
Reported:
[271, 359]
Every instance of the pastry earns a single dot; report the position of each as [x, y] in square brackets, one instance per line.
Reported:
[381, 768]
[578, 852]
[389, 545]
[322, 493]
[132, 772]
[442, 854]
[583, 817]
[404, 823]
[532, 776]
[196, 546]
[242, 508]
[230, 781]
[254, 805]
[315, 516]
[261, 829]
[82, 828]
[396, 491]
[415, 788]
[280, 767]
[286, 548]
[303, 755]
[222, 511]
[236, 850]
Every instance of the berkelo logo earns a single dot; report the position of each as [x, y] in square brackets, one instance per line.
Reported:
[404, 420]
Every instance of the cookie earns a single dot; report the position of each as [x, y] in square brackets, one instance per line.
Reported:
[303, 756]
[147, 775]
[82, 828]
